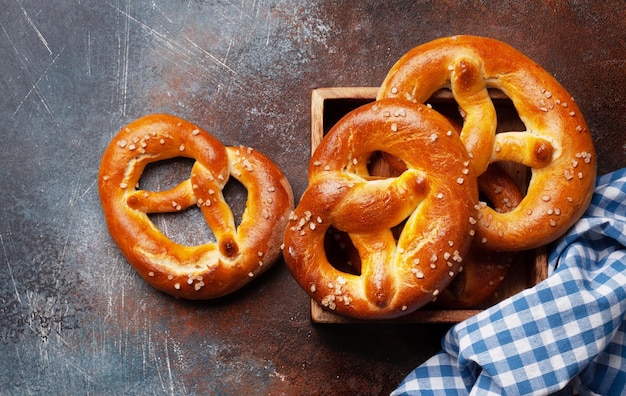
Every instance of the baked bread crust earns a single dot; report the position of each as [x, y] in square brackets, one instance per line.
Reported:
[204, 271]
[435, 198]
[484, 269]
[556, 145]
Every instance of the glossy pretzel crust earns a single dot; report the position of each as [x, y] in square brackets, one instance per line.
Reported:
[436, 198]
[208, 270]
[556, 145]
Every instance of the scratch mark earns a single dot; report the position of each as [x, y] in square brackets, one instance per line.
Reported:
[88, 188]
[269, 29]
[230, 44]
[169, 367]
[75, 366]
[256, 7]
[607, 62]
[180, 359]
[35, 86]
[207, 53]
[163, 223]
[226, 16]
[8, 263]
[240, 9]
[123, 298]
[145, 345]
[37, 31]
[242, 12]
[17, 349]
[156, 362]
[74, 193]
[89, 56]
[183, 50]
[66, 242]
[125, 60]
[11, 41]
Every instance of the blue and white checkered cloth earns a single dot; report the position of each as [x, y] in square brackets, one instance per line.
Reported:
[567, 333]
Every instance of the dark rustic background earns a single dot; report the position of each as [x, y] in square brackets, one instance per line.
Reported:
[74, 316]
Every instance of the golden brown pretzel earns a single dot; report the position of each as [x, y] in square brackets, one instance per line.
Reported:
[436, 196]
[556, 144]
[484, 269]
[194, 272]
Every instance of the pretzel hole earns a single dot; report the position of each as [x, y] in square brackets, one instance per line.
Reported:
[341, 253]
[236, 196]
[165, 174]
[508, 121]
[187, 226]
[339, 108]
[383, 164]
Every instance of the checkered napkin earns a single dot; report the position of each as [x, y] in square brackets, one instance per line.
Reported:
[568, 332]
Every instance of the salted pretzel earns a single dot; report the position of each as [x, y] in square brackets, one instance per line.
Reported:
[212, 269]
[484, 269]
[556, 145]
[435, 198]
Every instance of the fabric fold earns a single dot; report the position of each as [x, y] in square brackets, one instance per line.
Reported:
[567, 330]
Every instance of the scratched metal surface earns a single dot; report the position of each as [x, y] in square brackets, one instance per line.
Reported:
[74, 317]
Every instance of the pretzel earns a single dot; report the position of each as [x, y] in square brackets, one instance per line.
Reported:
[484, 269]
[435, 198]
[204, 271]
[556, 145]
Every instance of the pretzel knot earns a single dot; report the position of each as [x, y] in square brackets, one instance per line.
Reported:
[434, 200]
[556, 144]
[204, 271]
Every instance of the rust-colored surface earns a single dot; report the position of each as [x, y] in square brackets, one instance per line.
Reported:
[76, 319]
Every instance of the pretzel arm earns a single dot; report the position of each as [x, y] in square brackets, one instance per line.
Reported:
[524, 148]
[380, 203]
[376, 250]
[479, 114]
[175, 199]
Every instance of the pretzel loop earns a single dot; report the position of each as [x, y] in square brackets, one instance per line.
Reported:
[207, 270]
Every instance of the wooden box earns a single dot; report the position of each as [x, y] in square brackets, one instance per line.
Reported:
[328, 105]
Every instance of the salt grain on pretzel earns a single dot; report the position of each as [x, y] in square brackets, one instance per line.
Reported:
[484, 269]
[396, 276]
[555, 135]
[203, 271]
